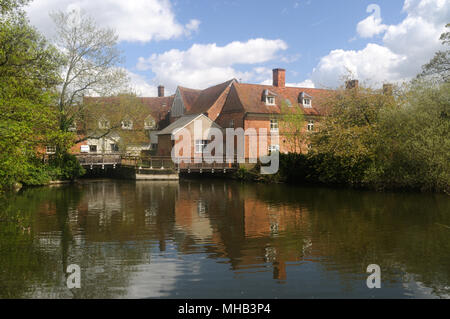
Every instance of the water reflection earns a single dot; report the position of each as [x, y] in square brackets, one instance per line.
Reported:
[222, 239]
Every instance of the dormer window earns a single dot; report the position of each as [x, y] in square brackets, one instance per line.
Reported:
[307, 103]
[305, 100]
[270, 100]
[127, 124]
[149, 123]
[103, 124]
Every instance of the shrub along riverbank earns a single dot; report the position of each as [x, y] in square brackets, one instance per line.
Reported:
[370, 140]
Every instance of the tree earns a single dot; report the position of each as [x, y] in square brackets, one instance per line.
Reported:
[91, 64]
[120, 119]
[29, 72]
[349, 129]
[292, 127]
[7, 6]
[439, 66]
[413, 148]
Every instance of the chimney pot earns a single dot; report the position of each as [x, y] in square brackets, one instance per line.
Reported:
[352, 84]
[161, 91]
[279, 78]
[388, 89]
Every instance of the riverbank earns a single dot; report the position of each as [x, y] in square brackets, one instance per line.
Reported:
[336, 172]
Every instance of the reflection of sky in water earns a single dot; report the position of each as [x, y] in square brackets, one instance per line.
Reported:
[227, 240]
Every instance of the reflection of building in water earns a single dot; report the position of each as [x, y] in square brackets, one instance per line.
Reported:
[239, 224]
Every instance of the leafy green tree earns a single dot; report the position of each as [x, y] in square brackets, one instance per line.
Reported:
[439, 66]
[29, 72]
[91, 64]
[292, 127]
[413, 149]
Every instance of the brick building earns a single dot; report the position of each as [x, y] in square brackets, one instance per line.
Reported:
[229, 105]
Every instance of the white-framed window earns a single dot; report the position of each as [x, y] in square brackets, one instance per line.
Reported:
[200, 145]
[274, 125]
[127, 124]
[73, 127]
[270, 100]
[103, 124]
[274, 148]
[149, 123]
[307, 103]
[50, 149]
[232, 123]
[311, 125]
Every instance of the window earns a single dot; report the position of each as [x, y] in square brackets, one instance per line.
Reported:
[73, 127]
[274, 125]
[274, 148]
[149, 123]
[307, 103]
[50, 150]
[200, 145]
[92, 148]
[103, 124]
[270, 100]
[127, 124]
[114, 147]
[232, 123]
[311, 126]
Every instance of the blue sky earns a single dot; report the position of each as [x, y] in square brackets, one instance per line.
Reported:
[197, 43]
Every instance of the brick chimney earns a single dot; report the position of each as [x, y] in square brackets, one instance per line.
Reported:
[160, 91]
[388, 89]
[279, 78]
[352, 84]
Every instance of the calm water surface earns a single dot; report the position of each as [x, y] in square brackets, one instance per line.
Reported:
[222, 239]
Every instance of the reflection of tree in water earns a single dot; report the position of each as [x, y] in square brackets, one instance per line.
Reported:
[65, 231]
[403, 233]
[112, 228]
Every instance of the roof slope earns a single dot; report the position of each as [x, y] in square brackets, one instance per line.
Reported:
[248, 98]
[183, 122]
[211, 98]
[189, 97]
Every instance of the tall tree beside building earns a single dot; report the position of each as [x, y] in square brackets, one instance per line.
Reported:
[91, 64]
[29, 73]
[292, 128]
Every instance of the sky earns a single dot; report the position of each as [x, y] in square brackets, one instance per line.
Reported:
[200, 43]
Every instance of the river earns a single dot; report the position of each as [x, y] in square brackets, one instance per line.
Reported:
[222, 239]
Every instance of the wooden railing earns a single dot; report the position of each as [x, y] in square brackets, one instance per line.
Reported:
[99, 159]
[157, 162]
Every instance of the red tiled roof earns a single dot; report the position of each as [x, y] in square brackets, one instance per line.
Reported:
[248, 98]
[189, 96]
[210, 97]
[158, 106]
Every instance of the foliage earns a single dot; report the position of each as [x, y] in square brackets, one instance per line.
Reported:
[413, 149]
[91, 64]
[28, 74]
[114, 111]
[292, 127]
[439, 66]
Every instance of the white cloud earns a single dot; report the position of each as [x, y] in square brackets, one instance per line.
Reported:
[370, 26]
[203, 65]
[134, 21]
[141, 86]
[405, 48]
